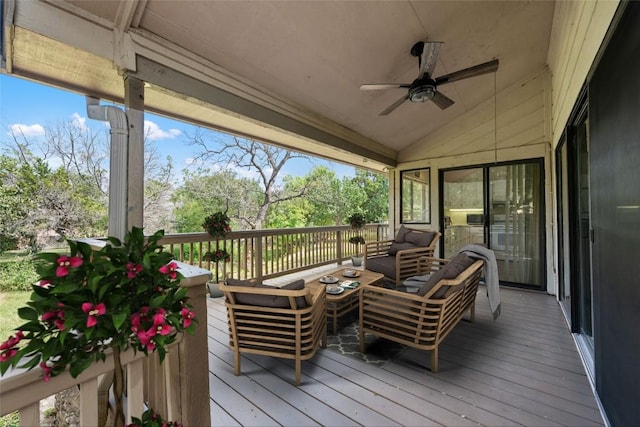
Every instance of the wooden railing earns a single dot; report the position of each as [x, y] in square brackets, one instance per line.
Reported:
[264, 254]
[177, 389]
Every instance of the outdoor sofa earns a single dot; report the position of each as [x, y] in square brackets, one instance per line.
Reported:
[423, 319]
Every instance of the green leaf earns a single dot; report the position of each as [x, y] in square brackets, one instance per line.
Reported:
[32, 327]
[119, 319]
[32, 363]
[65, 287]
[157, 301]
[93, 283]
[114, 241]
[28, 313]
[80, 365]
[180, 294]
[49, 256]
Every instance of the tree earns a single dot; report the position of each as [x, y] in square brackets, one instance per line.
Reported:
[265, 160]
[35, 199]
[62, 184]
[375, 187]
[204, 192]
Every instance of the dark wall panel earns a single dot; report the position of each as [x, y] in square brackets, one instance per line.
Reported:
[614, 114]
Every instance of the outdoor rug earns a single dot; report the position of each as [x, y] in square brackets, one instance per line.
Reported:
[378, 351]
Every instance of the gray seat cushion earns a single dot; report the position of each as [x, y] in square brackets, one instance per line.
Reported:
[276, 301]
[385, 265]
[420, 239]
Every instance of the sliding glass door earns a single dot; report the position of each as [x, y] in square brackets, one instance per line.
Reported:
[501, 206]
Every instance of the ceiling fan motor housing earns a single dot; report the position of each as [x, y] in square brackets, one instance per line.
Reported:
[422, 92]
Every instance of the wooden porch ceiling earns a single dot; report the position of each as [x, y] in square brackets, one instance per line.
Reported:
[522, 369]
[285, 72]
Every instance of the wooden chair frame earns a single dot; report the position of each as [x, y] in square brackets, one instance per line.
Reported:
[290, 333]
[420, 322]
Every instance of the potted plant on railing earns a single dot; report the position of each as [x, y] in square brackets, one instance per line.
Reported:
[124, 296]
[357, 221]
[215, 257]
[217, 224]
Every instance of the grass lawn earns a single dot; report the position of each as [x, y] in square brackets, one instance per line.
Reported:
[10, 302]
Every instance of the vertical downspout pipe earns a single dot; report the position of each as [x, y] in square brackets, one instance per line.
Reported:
[118, 163]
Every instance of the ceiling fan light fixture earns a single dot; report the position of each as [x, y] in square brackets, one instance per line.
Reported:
[422, 93]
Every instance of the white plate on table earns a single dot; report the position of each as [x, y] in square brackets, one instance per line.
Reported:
[328, 280]
[335, 291]
[351, 273]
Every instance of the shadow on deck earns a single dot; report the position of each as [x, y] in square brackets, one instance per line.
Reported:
[522, 369]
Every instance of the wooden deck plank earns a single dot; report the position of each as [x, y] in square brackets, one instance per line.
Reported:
[510, 392]
[522, 369]
[433, 403]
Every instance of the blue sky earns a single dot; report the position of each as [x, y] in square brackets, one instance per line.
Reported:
[30, 108]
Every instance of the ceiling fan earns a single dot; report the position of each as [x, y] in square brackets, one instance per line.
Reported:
[425, 87]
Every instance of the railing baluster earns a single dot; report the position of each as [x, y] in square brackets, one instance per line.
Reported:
[89, 402]
[30, 415]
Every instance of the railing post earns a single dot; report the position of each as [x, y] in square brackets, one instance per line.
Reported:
[258, 258]
[185, 376]
[339, 248]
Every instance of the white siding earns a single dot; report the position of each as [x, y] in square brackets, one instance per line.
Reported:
[577, 33]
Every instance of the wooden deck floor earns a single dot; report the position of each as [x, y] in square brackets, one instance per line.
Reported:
[522, 369]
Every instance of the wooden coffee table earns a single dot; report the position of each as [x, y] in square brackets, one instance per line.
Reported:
[340, 304]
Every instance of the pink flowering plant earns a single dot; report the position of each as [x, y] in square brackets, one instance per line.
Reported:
[124, 296]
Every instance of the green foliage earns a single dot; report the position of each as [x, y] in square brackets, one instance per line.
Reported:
[150, 419]
[125, 295]
[217, 255]
[10, 302]
[357, 240]
[35, 199]
[18, 275]
[10, 420]
[204, 191]
[356, 220]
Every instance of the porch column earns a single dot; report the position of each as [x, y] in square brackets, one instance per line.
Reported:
[134, 107]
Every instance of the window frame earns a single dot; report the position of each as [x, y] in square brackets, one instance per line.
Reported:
[404, 176]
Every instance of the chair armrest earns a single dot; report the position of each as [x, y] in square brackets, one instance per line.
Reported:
[318, 296]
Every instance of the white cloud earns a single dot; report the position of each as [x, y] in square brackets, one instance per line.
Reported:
[153, 131]
[79, 121]
[26, 130]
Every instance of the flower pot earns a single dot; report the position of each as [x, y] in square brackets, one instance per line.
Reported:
[214, 290]
[356, 261]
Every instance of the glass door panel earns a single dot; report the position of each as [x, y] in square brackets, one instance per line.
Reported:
[515, 227]
[463, 194]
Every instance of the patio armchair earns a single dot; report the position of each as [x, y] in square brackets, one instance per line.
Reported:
[398, 258]
[422, 320]
[287, 322]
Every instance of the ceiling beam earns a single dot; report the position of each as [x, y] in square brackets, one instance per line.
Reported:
[163, 76]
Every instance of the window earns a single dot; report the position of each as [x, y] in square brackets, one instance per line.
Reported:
[416, 201]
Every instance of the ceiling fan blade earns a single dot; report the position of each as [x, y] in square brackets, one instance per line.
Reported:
[395, 105]
[476, 70]
[381, 86]
[441, 100]
[429, 58]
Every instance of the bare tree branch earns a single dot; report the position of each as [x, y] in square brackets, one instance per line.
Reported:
[265, 160]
